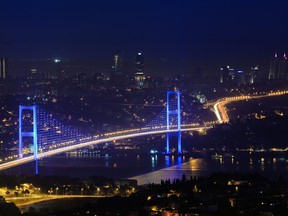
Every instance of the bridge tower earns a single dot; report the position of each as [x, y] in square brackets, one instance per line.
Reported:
[173, 112]
[32, 133]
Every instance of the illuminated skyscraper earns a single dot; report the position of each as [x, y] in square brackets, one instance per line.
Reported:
[253, 75]
[226, 74]
[273, 67]
[139, 73]
[283, 67]
[118, 61]
[3, 68]
[59, 72]
[279, 67]
[117, 67]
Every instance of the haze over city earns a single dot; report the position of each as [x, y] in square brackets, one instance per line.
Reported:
[174, 36]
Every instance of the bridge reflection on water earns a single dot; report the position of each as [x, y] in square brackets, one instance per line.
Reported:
[153, 168]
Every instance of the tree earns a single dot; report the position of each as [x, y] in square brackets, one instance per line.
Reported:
[9, 209]
[26, 192]
[184, 178]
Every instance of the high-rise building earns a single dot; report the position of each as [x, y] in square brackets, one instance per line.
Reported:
[240, 77]
[117, 71]
[283, 67]
[273, 67]
[3, 68]
[118, 61]
[278, 67]
[254, 75]
[59, 72]
[139, 71]
[226, 74]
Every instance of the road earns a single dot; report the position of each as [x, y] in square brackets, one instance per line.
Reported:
[220, 105]
[25, 202]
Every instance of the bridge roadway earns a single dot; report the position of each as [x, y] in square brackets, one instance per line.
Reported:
[220, 109]
[28, 159]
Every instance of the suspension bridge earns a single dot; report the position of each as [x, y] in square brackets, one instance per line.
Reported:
[50, 137]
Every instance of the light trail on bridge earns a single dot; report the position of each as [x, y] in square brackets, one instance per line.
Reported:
[41, 155]
[219, 109]
[217, 112]
[220, 105]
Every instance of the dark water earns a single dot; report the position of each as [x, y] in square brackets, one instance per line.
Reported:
[271, 166]
[153, 168]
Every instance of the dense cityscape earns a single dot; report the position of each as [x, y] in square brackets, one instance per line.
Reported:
[123, 101]
[126, 108]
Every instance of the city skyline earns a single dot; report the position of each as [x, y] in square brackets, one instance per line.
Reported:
[143, 107]
[175, 37]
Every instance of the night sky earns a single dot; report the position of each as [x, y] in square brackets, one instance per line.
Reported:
[174, 36]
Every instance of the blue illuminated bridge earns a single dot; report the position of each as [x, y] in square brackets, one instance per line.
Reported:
[51, 137]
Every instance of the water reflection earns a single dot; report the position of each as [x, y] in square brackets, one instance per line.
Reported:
[179, 159]
[154, 162]
[158, 167]
[193, 167]
[106, 160]
[251, 167]
[167, 160]
[172, 159]
[197, 164]
[221, 161]
[274, 164]
[262, 164]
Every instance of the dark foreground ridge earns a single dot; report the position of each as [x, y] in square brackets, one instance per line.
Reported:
[218, 194]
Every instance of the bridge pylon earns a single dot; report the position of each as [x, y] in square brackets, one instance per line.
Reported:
[32, 133]
[173, 112]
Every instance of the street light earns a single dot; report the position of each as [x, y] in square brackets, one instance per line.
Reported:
[50, 191]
